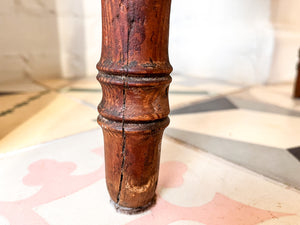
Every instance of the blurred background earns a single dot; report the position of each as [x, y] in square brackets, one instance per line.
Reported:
[245, 42]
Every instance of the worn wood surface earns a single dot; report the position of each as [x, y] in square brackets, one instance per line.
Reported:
[134, 74]
[297, 82]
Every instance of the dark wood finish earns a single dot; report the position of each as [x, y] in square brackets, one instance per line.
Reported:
[297, 83]
[134, 74]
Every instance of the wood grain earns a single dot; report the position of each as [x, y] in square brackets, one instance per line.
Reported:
[134, 73]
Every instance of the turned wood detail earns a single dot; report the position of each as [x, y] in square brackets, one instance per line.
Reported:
[297, 82]
[134, 75]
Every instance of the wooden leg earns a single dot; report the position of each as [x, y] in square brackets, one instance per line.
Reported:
[134, 74]
[297, 83]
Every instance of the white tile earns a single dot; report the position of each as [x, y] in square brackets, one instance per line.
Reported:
[243, 125]
[278, 95]
[21, 85]
[51, 117]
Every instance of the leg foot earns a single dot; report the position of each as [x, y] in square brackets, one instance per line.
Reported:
[133, 211]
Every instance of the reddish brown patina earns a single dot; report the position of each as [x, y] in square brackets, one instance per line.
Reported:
[134, 74]
[297, 84]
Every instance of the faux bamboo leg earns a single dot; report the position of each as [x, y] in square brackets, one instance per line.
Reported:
[297, 83]
[134, 74]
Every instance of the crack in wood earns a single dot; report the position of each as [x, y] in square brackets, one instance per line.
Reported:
[124, 77]
[123, 142]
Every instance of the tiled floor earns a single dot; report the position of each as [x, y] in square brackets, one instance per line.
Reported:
[62, 182]
[30, 117]
[257, 127]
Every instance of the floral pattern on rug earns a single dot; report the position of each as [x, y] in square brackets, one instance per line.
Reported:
[56, 181]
